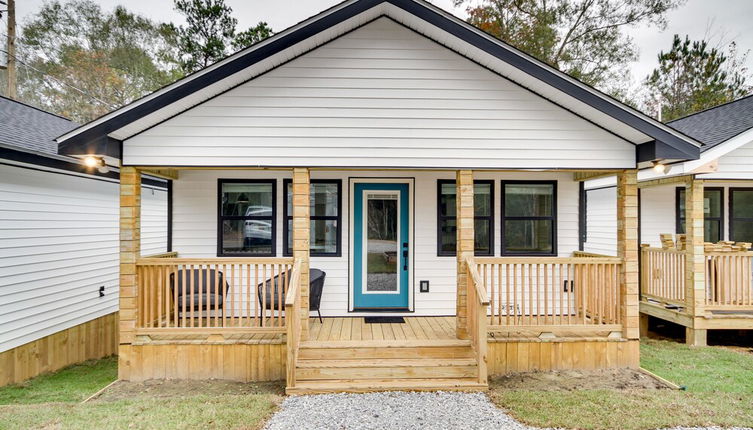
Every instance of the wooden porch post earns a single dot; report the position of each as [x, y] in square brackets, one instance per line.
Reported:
[130, 249]
[301, 238]
[464, 244]
[627, 249]
[694, 259]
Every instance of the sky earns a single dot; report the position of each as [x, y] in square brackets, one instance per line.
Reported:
[727, 19]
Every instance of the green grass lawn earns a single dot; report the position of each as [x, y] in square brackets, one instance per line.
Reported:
[54, 401]
[719, 392]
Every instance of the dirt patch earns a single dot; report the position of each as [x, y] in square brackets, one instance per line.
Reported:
[183, 388]
[572, 380]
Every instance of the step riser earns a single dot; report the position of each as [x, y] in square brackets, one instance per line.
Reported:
[306, 390]
[386, 373]
[385, 353]
[365, 386]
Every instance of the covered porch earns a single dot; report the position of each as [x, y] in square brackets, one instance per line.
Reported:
[203, 305]
[696, 278]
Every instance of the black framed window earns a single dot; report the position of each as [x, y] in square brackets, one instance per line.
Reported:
[325, 212]
[741, 214]
[713, 213]
[529, 217]
[483, 214]
[246, 217]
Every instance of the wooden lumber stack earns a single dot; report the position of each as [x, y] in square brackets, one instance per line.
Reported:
[667, 241]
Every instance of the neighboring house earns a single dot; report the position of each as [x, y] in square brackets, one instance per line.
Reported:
[723, 178]
[381, 142]
[59, 247]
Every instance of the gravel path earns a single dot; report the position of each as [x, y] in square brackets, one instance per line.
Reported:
[391, 410]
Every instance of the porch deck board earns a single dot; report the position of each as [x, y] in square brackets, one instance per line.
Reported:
[355, 328]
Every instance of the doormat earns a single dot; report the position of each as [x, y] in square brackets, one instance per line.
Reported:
[384, 320]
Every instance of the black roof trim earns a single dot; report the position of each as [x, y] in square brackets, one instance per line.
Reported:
[80, 142]
[71, 165]
[547, 74]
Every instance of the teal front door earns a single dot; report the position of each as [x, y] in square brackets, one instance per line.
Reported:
[381, 248]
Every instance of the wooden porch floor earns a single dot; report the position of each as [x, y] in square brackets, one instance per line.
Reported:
[355, 328]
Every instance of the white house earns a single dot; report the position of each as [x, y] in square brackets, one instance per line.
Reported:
[724, 175]
[381, 142]
[59, 247]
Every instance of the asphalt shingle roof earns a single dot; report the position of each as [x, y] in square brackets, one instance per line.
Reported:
[718, 124]
[30, 128]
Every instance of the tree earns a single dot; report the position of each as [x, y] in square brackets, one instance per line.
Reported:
[583, 38]
[79, 61]
[693, 76]
[210, 32]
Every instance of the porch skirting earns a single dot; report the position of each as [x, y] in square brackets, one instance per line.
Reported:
[234, 362]
[265, 360]
[506, 356]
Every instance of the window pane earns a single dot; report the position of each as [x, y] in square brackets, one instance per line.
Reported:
[447, 200]
[382, 243]
[528, 200]
[742, 204]
[289, 199]
[742, 231]
[482, 233]
[246, 199]
[482, 200]
[711, 231]
[289, 223]
[712, 208]
[712, 203]
[247, 236]
[323, 200]
[323, 236]
[447, 235]
[524, 236]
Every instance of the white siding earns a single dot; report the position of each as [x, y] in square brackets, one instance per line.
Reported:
[657, 213]
[737, 164]
[58, 245]
[153, 220]
[195, 228]
[601, 221]
[380, 96]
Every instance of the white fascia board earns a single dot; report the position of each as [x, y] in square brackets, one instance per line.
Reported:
[687, 167]
[117, 135]
[528, 81]
[464, 48]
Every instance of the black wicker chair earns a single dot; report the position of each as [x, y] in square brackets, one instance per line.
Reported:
[208, 299]
[271, 300]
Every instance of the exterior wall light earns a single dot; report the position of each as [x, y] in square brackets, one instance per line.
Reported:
[96, 162]
[660, 168]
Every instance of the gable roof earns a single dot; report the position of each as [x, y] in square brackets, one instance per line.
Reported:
[654, 139]
[718, 124]
[29, 128]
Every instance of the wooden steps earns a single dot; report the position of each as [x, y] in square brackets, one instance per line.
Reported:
[362, 366]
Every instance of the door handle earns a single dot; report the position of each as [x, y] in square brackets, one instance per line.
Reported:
[405, 255]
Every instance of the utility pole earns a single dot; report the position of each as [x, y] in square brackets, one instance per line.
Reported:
[12, 50]
[11, 46]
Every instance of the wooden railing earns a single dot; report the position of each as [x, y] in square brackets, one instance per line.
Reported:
[729, 280]
[227, 293]
[477, 310]
[533, 291]
[584, 254]
[171, 254]
[663, 275]
[293, 316]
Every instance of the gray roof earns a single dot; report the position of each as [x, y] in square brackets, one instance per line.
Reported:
[717, 124]
[29, 128]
